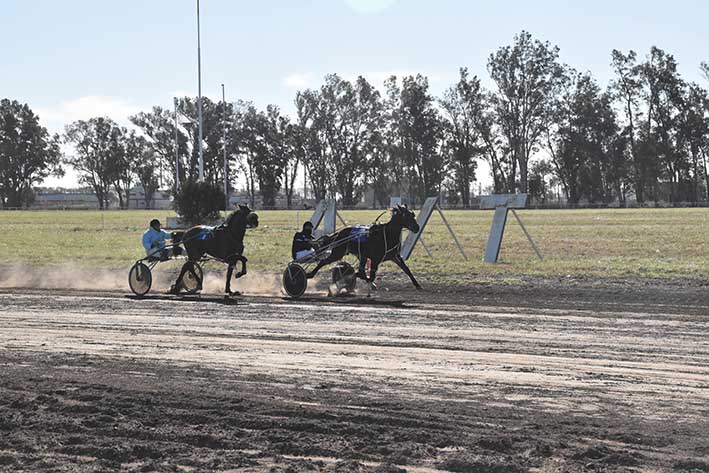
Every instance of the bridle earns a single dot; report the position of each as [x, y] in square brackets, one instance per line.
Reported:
[386, 243]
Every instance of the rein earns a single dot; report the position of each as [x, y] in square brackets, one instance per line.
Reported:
[376, 220]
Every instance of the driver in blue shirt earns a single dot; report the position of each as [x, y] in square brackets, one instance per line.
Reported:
[154, 241]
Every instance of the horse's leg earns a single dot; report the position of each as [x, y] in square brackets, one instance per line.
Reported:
[362, 257]
[188, 266]
[232, 260]
[402, 264]
[362, 269]
[242, 272]
[372, 276]
[198, 278]
[229, 272]
[359, 250]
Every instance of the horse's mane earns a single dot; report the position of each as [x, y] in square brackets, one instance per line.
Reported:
[236, 224]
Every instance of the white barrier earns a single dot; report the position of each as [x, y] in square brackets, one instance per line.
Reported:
[502, 204]
[427, 209]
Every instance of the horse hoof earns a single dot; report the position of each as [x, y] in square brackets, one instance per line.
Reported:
[232, 294]
[173, 290]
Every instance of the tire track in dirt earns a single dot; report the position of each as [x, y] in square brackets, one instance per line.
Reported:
[602, 354]
[615, 369]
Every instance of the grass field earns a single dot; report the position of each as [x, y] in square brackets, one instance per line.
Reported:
[616, 243]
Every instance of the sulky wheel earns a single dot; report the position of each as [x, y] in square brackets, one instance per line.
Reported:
[295, 281]
[343, 276]
[140, 279]
[192, 283]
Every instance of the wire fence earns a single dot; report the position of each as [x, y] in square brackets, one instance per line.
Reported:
[475, 206]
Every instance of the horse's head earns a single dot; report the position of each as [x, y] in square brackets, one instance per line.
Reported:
[242, 219]
[251, 217]
[404, 218]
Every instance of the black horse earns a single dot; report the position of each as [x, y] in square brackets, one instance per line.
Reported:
[383, 243]
[225, 243]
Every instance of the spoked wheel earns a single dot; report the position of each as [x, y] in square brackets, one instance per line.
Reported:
[343, 276]
[140, 279]
[192, 283]
[295, 281]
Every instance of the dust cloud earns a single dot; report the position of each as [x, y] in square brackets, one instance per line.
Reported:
[85, 279]
[64, 277]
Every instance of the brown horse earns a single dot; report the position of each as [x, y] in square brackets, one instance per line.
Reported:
[224, 243]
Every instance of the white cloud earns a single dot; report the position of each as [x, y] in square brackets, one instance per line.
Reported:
[298, 81]
[83, 108]
[369, 7]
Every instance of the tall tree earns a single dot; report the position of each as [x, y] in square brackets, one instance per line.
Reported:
[315, 150]
[583, 141]
[95, 149]
[158, 126]
[627, 89]
[527, 75]
[294, 139]
[420, 133]
[28, 153]
[351, 115]
[212, 133]
[662, 93]
[694, 136]
[396, 180]
[262, 150]
[463, 106]
[540, 171]
[122, 166]
[272, 153]
[144, 161]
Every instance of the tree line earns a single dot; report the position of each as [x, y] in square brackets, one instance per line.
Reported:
[540, 124]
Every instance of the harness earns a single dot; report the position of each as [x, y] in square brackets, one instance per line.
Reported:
[205, 234]
[360, 234]
[386, 244]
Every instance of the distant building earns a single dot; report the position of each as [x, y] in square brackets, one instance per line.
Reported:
[242, 197]
[161, 199]
[66, 199]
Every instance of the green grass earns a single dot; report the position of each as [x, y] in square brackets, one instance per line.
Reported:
[618, 243]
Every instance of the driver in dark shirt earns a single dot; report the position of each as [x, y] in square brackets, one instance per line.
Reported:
[303, 242]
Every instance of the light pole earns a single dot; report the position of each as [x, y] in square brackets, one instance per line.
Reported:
[199, 97]
[177, 152]
[226, 167]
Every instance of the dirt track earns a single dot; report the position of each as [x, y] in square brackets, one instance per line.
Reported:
[101, 382]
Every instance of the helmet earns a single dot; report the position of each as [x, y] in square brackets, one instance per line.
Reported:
[155, 222]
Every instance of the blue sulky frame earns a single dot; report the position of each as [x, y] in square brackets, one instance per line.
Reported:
[295, 280]
[140, 276]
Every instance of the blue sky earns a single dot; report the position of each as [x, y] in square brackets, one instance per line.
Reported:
[75, 59]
